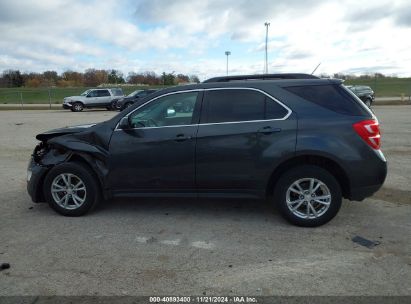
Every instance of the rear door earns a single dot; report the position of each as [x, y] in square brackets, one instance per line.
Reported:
[243, 132]
[104, 97]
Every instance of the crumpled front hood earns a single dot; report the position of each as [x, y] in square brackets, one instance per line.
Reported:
[62, 131]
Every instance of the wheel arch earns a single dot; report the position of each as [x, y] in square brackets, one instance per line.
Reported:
[92, 166]
[86, 160]
[324, 162]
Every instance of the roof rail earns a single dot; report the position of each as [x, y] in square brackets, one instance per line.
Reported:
[261, 77]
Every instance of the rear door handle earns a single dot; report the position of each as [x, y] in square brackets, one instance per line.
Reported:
[182, 137]
[268, 130]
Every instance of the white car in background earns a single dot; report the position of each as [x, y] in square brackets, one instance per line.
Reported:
[93, 98]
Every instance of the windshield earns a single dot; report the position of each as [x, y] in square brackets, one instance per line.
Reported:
[134, 93]
[85, 93]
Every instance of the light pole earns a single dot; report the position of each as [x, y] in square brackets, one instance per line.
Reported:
[267, 24]
[227, 53]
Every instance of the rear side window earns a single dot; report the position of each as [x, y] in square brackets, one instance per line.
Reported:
[332, 97]
[234, 105]
[240, 105]
[273, 110]
[103, 93]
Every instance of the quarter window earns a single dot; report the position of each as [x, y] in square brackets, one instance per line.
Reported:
[333, 97]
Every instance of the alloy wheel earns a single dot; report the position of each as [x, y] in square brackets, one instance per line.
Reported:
[68, 191]
[308, 198]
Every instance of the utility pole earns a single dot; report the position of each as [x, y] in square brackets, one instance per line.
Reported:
[267, 24]
[227, 53]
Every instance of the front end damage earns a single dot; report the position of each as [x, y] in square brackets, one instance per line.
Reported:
[85, 144]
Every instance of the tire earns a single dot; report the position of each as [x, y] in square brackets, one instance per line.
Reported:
[77, 107]
[325, 207]
[368, 102]
[78, 202]
[113, 106]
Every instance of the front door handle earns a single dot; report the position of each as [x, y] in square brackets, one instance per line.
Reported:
[268, 130]
[182, 137]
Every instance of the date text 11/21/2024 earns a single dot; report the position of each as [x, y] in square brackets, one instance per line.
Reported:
[203, 299]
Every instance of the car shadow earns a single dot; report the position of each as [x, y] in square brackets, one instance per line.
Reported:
[204, 207]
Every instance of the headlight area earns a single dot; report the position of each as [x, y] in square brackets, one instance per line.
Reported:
[29, 173]
[43, 158]
[39, 151]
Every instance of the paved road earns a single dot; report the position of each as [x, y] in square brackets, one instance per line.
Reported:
[186, 247]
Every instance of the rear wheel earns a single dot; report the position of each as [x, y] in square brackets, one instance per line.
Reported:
[113, 105]
[71, 189]
[77, 107]
[308, 196]
[368, 102]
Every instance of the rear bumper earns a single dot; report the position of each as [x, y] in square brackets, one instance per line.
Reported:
[368, 179]
[35, 177]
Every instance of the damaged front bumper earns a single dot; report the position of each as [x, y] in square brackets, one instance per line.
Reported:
[35, 177]
[42, 159]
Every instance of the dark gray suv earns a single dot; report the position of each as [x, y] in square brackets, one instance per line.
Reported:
[302, 142]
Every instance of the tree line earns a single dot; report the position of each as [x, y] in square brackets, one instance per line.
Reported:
[90, 78]
[353, 76]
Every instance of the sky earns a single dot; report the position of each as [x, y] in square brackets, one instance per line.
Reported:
[191, 37]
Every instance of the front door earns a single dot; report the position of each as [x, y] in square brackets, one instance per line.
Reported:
[157, 154]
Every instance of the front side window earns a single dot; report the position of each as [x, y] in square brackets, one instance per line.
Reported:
[92, 94]
[170, 110]
[135, 93]
[85, 93]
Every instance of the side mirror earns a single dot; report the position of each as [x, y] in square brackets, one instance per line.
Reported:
[171, 112]
[124, 123]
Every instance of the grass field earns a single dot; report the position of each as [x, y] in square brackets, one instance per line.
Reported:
[382, 87]
[385, 86]
[41, 95]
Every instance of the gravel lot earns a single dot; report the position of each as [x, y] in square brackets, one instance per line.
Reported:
[186, 247]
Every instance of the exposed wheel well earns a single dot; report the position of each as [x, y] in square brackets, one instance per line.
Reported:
[79, 159]
[74, 158]
[323, 162]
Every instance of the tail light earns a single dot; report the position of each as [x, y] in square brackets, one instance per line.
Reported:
[369, 131]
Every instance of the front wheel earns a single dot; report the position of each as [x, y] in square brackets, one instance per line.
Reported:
[77, 107]
[308, 196]
[71, 189]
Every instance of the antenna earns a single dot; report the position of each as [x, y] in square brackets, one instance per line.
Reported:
[316, 68]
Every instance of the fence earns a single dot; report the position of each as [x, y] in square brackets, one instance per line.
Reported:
[23, 97]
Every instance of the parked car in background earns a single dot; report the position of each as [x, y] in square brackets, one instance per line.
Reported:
[302, 142]
[131, 98]
[365, 93]
[93, 98]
